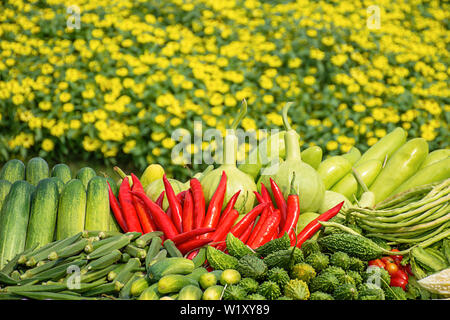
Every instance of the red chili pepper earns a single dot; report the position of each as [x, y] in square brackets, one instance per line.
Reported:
[216, 203]
[187, 246]
[224, 227]
[312, 227]
[189, 235]
[229, 207]
[117, 211]
[293, 212]
[259, 197]
[162, 221]
[247, 232]
[259, 224]
[188, 212]
[159, 201]
[265, 194]
[128, 209]
[199, 202]
[279, 200]
[249, 218]
[268, 228]
[145, 219]
[174, 204]
[192, 254]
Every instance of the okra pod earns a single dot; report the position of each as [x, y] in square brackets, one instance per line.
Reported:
[95, 275]
[159, 256]
[135, 252]
[37, 288]
[145, 239]
[104, 261]
[126, 273]
[125, 292]
[50, 295]
[14, 262]
[5, 279]
[69, 251]
[107, 248]
[115, 271]
[171, 248]
[59, 271]
[153, 249]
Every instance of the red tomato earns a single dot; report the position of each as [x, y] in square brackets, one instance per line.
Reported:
[400, 274]
[392, 268]
[387, 260]
[377, 263]
[398, 282]
[397, 258]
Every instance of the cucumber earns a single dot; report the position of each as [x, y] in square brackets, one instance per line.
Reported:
[113, 184]
[172, 265]
[58, 182]
[36, 170]
[44, 211]
[97, 205]
[213, 293]
[207, 280]
[5, 186]
[138, 286]
[85, 175]
[62, 171]
[197, 273]
[151, 293]
[14, 221]
[190, 292]
[13, 170]
[173, 283]
[172, 250]
[71, 210]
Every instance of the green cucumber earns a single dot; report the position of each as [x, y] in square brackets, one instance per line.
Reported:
[36, 170]
[104, 261]
[44, 210]
[151, 293]
[197, 273]
[14, 221]
[5, 186]
[171, 265]
[117, 244]
[62, 171]
[213, 292]
[13, 170]
[97, 205]
[190, 292]
[138, 286]
[59, 183]
[71, 210]
[113, 184]
[85, 175]
[173, 283]
[171, 248]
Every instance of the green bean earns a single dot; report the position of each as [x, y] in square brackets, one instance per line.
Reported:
[441, 186]
[396, 240]
[436, 238]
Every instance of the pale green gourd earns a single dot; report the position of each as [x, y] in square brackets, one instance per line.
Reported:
[308, 184]
[236, 179]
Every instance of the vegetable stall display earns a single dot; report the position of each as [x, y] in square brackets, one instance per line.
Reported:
[156, 238]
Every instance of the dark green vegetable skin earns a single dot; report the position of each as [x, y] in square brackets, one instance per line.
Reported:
[353, 245]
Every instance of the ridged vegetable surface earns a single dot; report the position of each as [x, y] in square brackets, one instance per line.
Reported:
[62, 171]
[97, 205]
[85, 175]
[14, 220]
[13, 170]
[5, 186]
[36, 170]
[71, 210]
[44, 210]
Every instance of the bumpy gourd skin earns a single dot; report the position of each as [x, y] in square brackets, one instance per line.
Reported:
[297, 290]
[269, 289]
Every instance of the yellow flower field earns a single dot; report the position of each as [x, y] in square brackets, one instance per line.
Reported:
[114, 89]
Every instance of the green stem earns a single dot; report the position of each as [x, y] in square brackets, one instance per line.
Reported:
[286, 123]
[241, 115]
[360, 180]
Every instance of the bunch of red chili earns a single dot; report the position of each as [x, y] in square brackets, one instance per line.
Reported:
[186, 221]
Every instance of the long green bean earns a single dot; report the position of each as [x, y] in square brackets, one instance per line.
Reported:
[397, 240]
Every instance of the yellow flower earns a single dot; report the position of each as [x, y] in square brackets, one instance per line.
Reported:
[331, 145]
[156, 152]
[45, 105]
[47, 145]
[309, 80]
[371, 141]
[68, 107]
[64, 97]
[174, 122]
